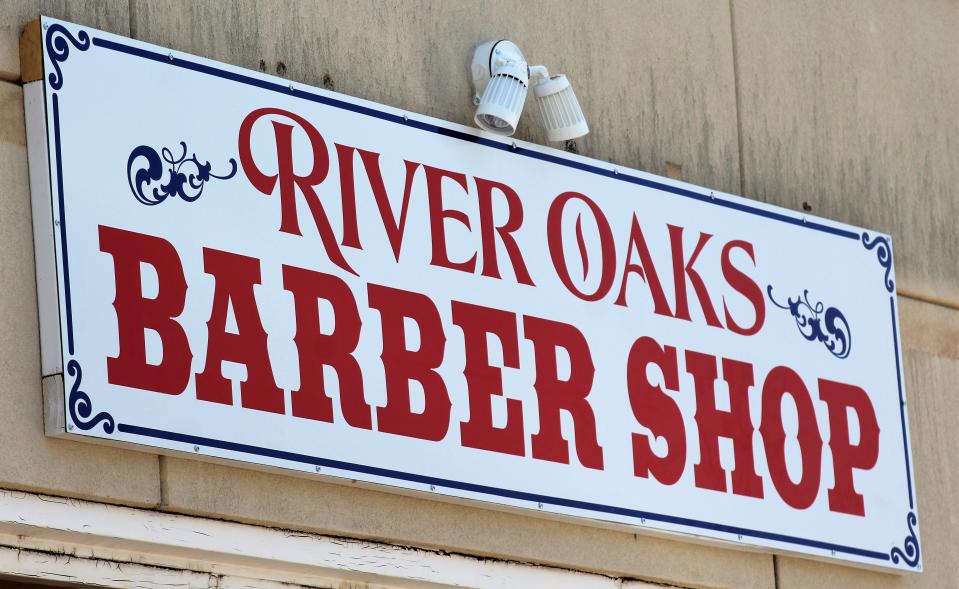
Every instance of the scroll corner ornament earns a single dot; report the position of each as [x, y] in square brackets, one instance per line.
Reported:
[816, 322]
[185, 176]
[883, 255]
[57, 41]
[909, 553]
[81, 407]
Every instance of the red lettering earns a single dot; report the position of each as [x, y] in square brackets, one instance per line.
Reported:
[136, 313]
[745, 286]
[555, 395]
[646, 271]
[438, 216]
[655, 409]
[402, 365]
[488, 231]
[554, 235]
[714, 423]
[316, 349]
[839, 398]
[395, 228]
[483, 380]
[684, 269]
[780, 382]
[235, 276]
[289, 181]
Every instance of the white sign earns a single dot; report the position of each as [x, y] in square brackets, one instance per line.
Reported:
[256, 270]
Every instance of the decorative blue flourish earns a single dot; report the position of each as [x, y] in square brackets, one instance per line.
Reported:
[186, 179]
[81, 407]
[58, 49]
[813, 319]
[883, 254]
[909, 553]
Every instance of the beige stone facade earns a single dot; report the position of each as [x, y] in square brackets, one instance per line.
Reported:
[846, 109]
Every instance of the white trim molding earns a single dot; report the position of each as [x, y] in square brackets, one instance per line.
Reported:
[69, 540]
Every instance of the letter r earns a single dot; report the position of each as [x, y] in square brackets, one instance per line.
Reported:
[287, 178]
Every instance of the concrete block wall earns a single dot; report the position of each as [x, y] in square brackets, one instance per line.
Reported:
[848, 110]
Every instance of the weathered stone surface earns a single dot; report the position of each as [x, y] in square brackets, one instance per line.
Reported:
[13, 15]
[257, 497]
[109, 15]
[853, 109]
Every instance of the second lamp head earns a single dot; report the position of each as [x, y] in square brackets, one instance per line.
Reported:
[501, 79]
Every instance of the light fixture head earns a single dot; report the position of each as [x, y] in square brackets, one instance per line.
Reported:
[561, 112]
[501, 79]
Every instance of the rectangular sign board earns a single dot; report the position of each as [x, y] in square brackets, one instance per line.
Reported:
[251, 269]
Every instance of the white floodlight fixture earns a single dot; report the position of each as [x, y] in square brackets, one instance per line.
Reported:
[561, 112]
[501, 78]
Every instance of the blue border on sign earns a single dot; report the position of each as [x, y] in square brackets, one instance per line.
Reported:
[58, 52]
